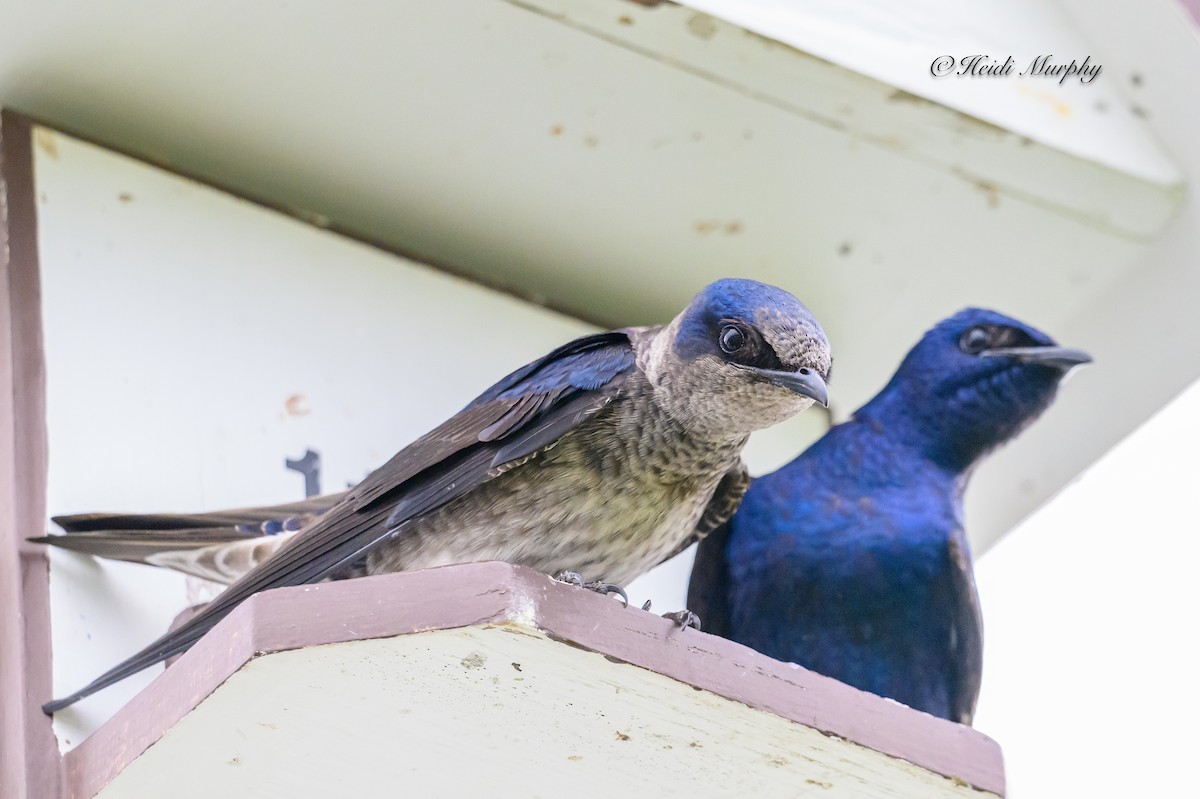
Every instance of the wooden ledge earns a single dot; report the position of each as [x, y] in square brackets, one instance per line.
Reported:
[490, 676]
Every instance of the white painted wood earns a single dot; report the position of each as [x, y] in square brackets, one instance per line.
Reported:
[494, 711]
[1057, 147]
[897, 43]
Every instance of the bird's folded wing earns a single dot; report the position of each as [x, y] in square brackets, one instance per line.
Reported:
[521, 414]
[966, 651]
[707, 587]
[725, 500]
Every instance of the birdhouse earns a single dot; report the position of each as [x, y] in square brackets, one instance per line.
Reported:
[249, 253]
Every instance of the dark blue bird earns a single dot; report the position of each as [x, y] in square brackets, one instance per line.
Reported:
[852, 560]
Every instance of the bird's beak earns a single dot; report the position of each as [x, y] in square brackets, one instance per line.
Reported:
[804, 381]
[1058, 357]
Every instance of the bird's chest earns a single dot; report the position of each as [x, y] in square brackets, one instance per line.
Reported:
[614, 519]
[850, 612]
[610, 500]
[885, 575]
[860, 575]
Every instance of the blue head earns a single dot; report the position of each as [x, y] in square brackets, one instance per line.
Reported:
[974, 381]
[743, 355]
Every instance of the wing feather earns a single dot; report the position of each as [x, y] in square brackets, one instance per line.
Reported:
[708, 585]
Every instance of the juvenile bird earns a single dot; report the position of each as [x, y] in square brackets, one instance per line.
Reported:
[604, 457]
[852, 560]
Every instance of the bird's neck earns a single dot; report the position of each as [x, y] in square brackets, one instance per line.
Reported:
[677, 397]
[923, 432]
[672, 445]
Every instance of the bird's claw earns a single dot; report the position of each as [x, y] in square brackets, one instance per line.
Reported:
[599, 586]
[684, 618]
[608, 589]
[570, 578]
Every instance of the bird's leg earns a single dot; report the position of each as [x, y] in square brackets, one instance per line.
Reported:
[684, 618]
[600, 587]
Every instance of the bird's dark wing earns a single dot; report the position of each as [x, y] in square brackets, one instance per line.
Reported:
[725, 500]
[708, 586]
[966, 639]
[532, 407]
[134, 537]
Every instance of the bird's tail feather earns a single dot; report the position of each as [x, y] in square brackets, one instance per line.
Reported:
[219, 546]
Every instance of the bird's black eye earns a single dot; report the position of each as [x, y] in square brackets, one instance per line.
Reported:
[975, 340]
[731, 339]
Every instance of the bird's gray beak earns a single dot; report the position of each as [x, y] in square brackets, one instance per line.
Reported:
[1058, 357]
[804, 381]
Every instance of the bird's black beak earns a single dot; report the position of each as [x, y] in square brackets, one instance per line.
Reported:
[1058, 357]
[804, 381]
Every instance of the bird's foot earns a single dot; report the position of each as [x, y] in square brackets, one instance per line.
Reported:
[570, 578]
[599, 586]
[684, 618]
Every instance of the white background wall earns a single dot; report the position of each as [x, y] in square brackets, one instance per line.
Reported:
[1091, 630]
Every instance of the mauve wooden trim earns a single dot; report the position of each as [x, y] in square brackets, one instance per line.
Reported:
[30, 764]
[276, 621]
[483, 593]
[141, 722]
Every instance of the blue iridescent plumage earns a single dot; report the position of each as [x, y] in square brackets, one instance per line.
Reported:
[852, 559]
